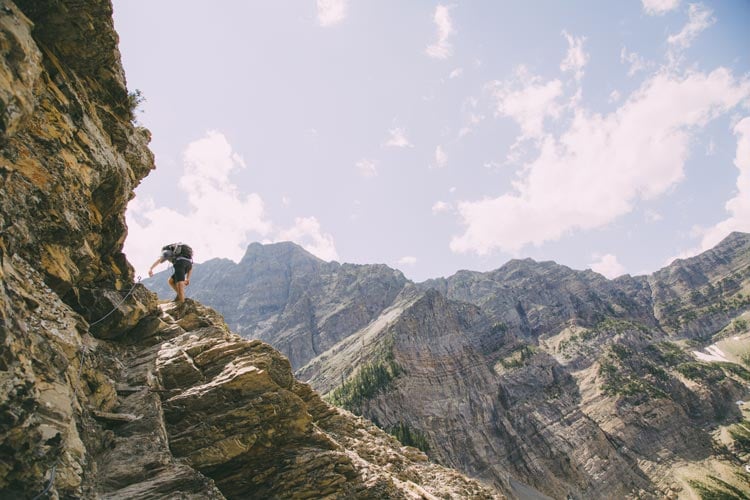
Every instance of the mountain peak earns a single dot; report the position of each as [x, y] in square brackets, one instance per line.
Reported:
[282, 250]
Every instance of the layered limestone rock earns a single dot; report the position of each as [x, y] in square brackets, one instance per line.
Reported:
[69, 159]
[536, 373]
[233, 411]
[70, 156]
[492, 422]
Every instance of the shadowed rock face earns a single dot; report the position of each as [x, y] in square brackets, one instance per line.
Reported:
[104, 393]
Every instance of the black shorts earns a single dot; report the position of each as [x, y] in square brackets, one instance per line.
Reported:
[181, 268]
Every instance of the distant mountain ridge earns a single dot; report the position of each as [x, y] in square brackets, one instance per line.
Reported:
[573, 383]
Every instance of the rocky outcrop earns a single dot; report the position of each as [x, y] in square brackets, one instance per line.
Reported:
[69, 159]
[233, 411]
[70, 155]
[534, 373]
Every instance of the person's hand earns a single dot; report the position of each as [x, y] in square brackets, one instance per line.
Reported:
[150, 273]
[187, 281]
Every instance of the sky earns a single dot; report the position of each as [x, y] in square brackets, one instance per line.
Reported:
[434, 137]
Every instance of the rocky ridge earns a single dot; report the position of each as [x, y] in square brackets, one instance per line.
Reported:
[562, 379]
[106, 393]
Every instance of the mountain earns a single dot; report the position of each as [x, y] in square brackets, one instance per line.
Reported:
[564, 380]
[284, 293]
[105, 392]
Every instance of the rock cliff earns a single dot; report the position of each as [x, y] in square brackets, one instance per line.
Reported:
[106, 393]
[284, 293]
[534, 373]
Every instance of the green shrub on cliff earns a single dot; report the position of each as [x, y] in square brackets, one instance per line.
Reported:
[701, 372]
[367, 382]
[409, 436]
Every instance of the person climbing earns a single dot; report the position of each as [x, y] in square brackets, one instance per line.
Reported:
[180, 256]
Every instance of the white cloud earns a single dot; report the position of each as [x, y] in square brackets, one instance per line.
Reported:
[601, 165]
[440, 207]
[738, 207]
[367, 168]
[441, 159]
[471, 123]
[442, 48]
[398, 139]
[576, 58]
[658, 7]
[286, 201]
[407, 260]
[331, 12]
[653, 215]
[700, 18]
[527, 100]
[607, 265]
[307, 233]
[636, 62]
[219, 220]
[456, 73]
[614, 96]
[472, 118]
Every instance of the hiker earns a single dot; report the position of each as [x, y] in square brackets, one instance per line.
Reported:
[181, 257]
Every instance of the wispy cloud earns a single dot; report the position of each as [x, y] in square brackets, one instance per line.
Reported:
[442, 48]
[367, 168]
[653, 215]
[440, 207]
[659, 7]
[600, 165]
[636, 62]
[700, 18]
[407, 260]
[607, 265]
[397, 139]
[456, 73]
[576, 58]
[307, 232]
[441, 158]
[331, 12]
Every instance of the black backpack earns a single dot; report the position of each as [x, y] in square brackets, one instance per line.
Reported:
[179, 250]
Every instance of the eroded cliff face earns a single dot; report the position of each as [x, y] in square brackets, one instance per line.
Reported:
[532, 373]
[70, 154]
[69, 160]
[104, 393]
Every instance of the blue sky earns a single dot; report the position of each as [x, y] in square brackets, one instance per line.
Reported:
[435, 137]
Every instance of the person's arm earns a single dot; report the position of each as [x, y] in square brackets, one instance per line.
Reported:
[187, 278]
[151, 270]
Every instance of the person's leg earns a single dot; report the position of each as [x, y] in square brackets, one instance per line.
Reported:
[172, 283]
[180, 269]
[180, 291]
